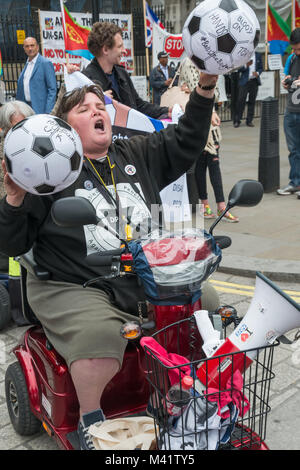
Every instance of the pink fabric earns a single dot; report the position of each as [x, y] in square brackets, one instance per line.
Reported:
[168, 359]
[233, 395]
[234, 389]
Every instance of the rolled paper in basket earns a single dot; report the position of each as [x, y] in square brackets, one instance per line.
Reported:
[210, 336]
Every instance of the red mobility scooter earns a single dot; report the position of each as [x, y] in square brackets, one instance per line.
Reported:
[39, 389]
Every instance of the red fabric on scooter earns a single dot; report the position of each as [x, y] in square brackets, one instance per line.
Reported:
[233, 395]
[173, 251]
[168, 359]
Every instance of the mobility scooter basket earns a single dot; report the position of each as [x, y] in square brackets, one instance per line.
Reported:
[226, 412]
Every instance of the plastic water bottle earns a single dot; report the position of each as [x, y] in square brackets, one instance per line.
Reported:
[179, 395]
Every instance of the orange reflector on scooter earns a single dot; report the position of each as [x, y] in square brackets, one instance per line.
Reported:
[131, 330]
[47, 429]
[226, 311]
[127, 269]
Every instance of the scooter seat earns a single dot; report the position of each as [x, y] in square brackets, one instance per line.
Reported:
[28, 262]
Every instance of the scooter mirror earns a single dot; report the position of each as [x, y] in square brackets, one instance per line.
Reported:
[73, 212]
[245, 193]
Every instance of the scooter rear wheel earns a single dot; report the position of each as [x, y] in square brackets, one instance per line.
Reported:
[23, 420]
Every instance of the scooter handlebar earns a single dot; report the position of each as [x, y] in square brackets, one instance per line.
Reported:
[105, 258]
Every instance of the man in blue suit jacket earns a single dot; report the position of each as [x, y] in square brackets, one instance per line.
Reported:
[249, 82]
[37, 82]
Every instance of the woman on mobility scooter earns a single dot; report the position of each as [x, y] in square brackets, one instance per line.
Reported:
[83, 324]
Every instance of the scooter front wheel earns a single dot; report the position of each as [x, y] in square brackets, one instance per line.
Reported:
[23, 420]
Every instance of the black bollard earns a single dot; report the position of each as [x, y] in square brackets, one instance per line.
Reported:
[268, 167]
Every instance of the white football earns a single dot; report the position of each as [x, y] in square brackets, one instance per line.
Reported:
[43, 154]
[220, 35]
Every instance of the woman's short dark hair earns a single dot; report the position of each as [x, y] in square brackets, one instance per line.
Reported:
[75, 97]
[102, 34]
[295, 36]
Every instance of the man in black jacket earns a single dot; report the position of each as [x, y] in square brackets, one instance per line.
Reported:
[161, 76]
[249, 82]
[106, 44]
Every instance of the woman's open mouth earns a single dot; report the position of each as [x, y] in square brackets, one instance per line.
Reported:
[99, 125]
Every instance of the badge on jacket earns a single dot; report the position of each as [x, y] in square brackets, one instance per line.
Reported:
[130, 170]
[88, 185]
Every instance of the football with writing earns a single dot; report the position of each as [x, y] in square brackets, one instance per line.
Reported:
[220, 35]
[43, 154]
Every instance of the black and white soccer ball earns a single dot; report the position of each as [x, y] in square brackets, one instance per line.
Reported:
[43, 154]
[220, 35]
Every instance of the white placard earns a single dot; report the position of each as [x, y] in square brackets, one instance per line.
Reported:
[267, 87]
[283, 91]
[140, 84]
[175, 201]
[222, 90]
[275, 62]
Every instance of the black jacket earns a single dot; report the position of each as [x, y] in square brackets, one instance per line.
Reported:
[127, 93]
[157, 82]
[154, 162]
[244, 71]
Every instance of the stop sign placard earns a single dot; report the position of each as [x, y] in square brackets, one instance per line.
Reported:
[173, 46]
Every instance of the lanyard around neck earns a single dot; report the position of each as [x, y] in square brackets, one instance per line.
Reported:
[111, 167]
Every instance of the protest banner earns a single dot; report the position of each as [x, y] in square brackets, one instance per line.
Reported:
[125, 23]
[52, 38]
[170, 43]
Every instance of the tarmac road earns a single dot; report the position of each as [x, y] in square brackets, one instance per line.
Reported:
[283, 420]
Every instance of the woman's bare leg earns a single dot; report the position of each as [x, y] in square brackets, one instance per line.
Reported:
[90, 377]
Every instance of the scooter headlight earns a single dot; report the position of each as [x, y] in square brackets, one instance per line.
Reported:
[228, 314]
[131, 331]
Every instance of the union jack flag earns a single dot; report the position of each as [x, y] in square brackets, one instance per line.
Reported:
[150, 19]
